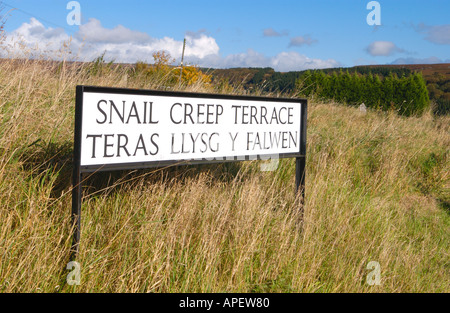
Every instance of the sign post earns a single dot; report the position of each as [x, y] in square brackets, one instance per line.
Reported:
[117, 129]
[76, 175]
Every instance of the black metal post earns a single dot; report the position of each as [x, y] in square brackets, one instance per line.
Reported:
[76, 211]
[300, 176]
[77, 176]
[300, 162]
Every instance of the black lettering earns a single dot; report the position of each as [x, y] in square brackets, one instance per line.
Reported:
[182, 144]
[136, 115]
[257, 141]
[265, 142]
[219, 113]
[232, 140]
[140, 145]
[294, 139]
[94, 137]
[209, 113]
[248, 140]
[193, 141]
[283, 145]
[154, 144]
[121, 116]
[244, 114]
[274, 116]
[263, 114]
[235, 107]
[186, 114]
[122, 146]
[200, 113]
[107, 145]
[145, 113]
[204, 143]
[173, 144]
[151, 115]
[103, 112]
[280, 115]
[253, 112]
[217, 147]
[274, 139]
[171, 116]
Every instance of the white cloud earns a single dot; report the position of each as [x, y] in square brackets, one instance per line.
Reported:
[119, 43]
[283, 62]
[200, 46]
[93, 31]
[383, 48]
[293, 61]
[251, 58]
[32, 33]
[270, 32]
[125, 45]
[301, 40]
[439, 34]
[128, 46]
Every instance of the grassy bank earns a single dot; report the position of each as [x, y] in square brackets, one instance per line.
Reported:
[377, 189]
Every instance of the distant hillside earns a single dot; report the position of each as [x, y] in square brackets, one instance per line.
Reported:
[428, 70]
[248, 76]
[437, 77]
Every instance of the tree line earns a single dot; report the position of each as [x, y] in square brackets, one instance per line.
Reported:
[439, 90]
[371, 82]
[407, 95]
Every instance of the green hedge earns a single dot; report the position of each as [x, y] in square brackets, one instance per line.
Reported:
[408, 95]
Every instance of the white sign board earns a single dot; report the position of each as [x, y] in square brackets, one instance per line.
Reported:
[128, 129]
[123, 128]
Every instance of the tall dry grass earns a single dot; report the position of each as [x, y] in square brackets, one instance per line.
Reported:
[377, 189]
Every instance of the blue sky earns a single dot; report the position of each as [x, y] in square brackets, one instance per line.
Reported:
[286, 35]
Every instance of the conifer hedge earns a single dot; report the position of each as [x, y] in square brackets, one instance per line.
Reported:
[408, 95]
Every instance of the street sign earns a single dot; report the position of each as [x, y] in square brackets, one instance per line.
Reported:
[118, 129]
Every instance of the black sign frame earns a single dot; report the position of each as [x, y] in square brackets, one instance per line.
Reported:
[79, 170]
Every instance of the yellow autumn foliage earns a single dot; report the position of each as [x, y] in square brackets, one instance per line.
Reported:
[162, 68]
